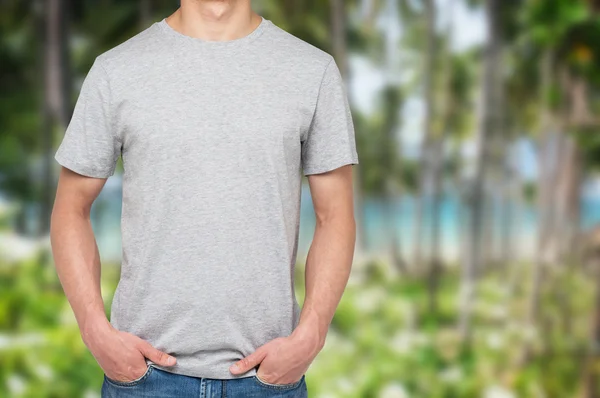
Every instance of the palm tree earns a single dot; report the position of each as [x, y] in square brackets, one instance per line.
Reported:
[146, 9]
[451, 94]
[57, 105]
[338, 35]
[488, 125]
[429, 61]
[337, 16]
[550, 24]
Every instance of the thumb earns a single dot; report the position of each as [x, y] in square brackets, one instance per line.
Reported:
[156, 356]
[251, 361]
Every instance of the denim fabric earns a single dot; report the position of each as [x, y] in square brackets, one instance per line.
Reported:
[156, 383]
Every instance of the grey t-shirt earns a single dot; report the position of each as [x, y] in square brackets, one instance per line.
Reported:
[214, 138]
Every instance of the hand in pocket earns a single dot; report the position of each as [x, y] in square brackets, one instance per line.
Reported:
[122, 356]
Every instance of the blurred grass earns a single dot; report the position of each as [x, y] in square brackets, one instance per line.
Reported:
[382, 342]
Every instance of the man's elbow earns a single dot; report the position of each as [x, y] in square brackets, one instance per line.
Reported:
[65, 215]
[57, 220]
[339, 220]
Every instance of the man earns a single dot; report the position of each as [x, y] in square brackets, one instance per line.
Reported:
[216, 113]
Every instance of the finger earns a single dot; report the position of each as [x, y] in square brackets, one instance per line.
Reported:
[251, 361]
[156, 356]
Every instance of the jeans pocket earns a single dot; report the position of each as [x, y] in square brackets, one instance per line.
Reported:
[131, 383]
[278, 386]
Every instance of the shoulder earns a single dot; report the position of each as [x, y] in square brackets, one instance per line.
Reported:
[297, 51]
[132, 51]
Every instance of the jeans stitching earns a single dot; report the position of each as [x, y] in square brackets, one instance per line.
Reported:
[131, 383]
[278, 386]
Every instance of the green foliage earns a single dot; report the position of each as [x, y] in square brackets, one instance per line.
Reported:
[381, 341]
[549, 20]
[41, 353]
[461, 85]
[377, 136]
[530, 192]
[589, 140]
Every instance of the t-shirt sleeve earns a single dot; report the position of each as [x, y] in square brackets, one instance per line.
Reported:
[90, 146]
[330, 141]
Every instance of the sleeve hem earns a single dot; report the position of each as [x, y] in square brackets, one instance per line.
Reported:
[330, 166]
[81, 169]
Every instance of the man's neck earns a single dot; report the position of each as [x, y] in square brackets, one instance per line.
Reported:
[214, 20]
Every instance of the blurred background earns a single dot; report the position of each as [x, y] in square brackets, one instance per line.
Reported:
[477, 268]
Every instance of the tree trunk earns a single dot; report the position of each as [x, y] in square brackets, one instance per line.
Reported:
[428, 125]
[494, 194]
[591, 373]
[514, 269]
[506, 217]
[56, 108]
[338, 37]
[340, 53]
[568, 191]
[487, 219]
[546, 248]
[435, 261]
[591, 381]
[489, 123]
[368, 12]
[437, 195]
[548, 160]
[394, 243]
[390, 160]
[578, 115]
[548, 163]
[146, 8]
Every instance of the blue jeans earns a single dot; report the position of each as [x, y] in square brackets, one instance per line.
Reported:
[156, 383]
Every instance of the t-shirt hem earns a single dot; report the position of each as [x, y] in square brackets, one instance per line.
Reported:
[332, 165]
[81, 169]
[203, 373]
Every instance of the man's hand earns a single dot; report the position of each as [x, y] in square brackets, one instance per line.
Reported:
[122, 355]
[281, 361]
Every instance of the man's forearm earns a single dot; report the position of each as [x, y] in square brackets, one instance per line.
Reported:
[78, 266]
[327, 270]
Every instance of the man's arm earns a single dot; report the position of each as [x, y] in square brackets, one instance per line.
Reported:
[330, 256]
[285, 360]
[121, 355]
